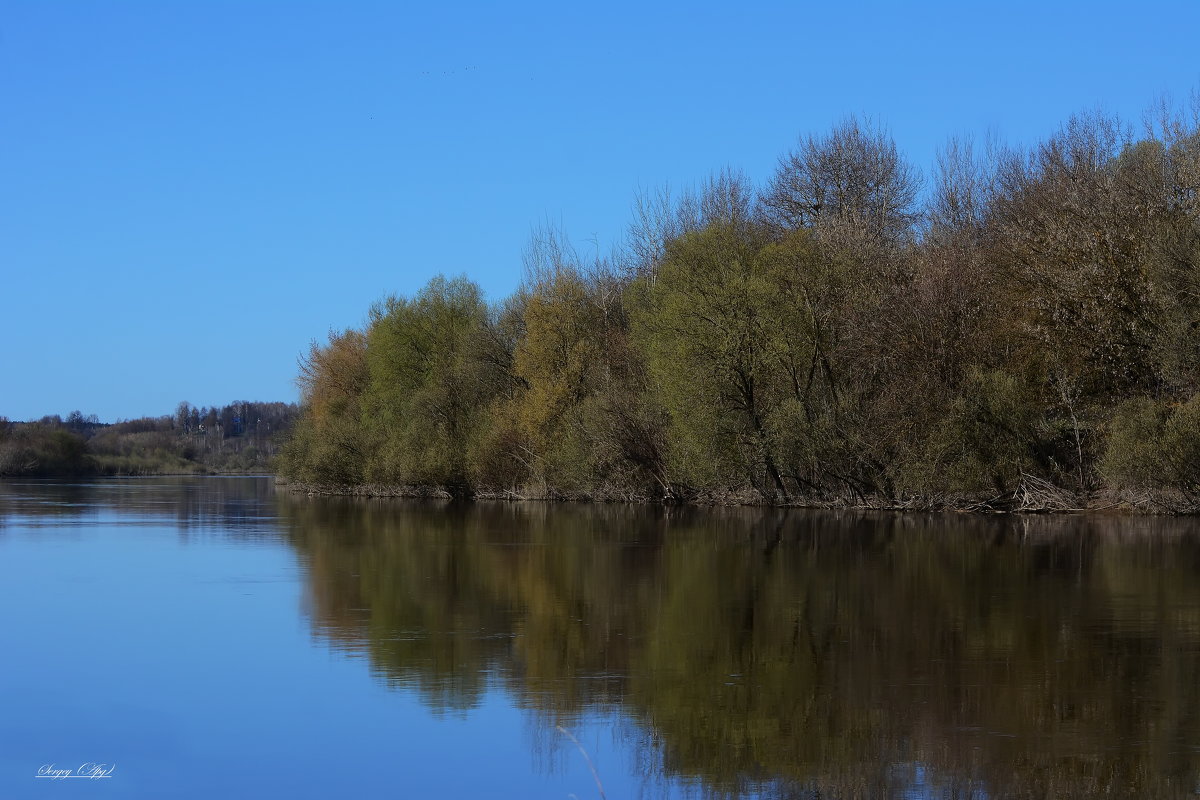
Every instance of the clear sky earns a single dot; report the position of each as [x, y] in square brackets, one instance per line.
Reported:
[191, 192]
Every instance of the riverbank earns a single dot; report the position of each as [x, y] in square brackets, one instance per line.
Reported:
[240, 439]
[1032, 496]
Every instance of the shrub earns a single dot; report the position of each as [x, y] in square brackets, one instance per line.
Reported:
[1155, 445]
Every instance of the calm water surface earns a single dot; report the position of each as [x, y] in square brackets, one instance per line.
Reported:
[212, 638]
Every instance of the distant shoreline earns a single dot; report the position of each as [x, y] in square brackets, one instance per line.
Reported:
[166, 474]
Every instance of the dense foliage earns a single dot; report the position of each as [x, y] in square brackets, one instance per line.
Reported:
[844, 332]
[239, 437]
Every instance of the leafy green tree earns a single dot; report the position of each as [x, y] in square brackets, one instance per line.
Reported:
[705, 325]
[327, 443]
[423, 408]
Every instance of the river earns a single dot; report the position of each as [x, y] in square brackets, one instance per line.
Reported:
[211, 637]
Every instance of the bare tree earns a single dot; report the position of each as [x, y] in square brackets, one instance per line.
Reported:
[658, 217]
[853, 175]
[964, 183]
[664, 216]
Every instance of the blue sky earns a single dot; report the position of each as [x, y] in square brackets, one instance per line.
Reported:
[192, 192]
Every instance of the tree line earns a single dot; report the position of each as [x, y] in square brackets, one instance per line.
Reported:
[239, 437]
[1021, 322]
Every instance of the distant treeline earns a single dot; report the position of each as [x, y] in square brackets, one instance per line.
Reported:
[240, 437]
[1022, 324]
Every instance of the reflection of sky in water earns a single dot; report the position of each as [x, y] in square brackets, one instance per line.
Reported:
[212, 642]
[186, 663]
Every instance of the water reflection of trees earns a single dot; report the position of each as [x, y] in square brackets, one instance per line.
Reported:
[846, 654]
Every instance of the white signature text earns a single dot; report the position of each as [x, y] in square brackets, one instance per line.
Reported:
[88, 770]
